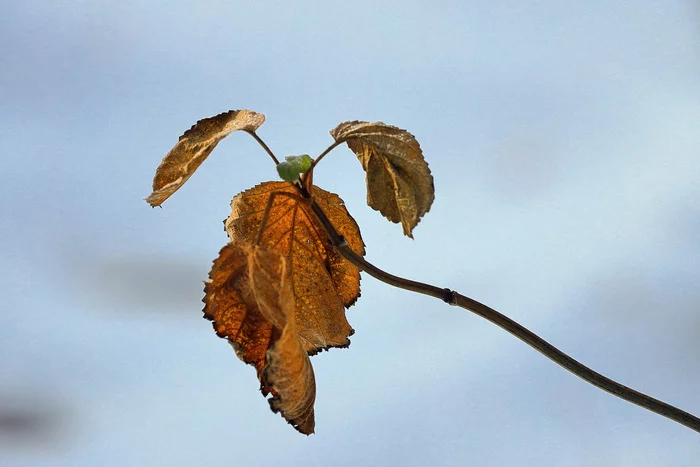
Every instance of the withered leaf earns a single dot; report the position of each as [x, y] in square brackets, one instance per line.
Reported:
[230, 303]
[194, 146]
[322, 280]
[250, 299]
[399, 183]
[289, 373]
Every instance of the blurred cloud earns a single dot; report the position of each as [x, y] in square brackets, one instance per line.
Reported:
[30, 422]
[682, 223]
[523, 164]
[638, 297]
[137, 283]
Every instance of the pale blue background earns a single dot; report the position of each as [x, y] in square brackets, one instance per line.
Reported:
[565, 144]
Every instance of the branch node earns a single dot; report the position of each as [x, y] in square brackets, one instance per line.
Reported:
[449, 296]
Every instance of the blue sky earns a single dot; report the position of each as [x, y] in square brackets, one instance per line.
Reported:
[563, 140]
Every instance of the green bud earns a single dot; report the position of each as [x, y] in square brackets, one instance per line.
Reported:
[293, 166]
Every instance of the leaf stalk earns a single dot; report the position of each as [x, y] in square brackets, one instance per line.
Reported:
[264, 146]
[310, 172]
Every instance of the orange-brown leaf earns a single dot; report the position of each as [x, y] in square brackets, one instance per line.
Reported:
[323, 282]
[289, 373]
[250, 299]
[288, 370]
[399, 183]
[194, 146]
[230, 303]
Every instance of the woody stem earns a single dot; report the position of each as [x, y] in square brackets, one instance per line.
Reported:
[517, 330]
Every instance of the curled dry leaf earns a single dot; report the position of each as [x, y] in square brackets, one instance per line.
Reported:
[323, 282]
[250, 299]
[194, 146]
[399, 183]
[230, 303]
[288, 371]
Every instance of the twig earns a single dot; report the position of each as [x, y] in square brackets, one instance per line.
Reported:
[520, 332]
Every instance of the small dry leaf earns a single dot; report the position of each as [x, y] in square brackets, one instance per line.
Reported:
[194, 146]
[399, 184]
[250, 299]
[323, 282]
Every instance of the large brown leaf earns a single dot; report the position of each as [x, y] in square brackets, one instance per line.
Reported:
[250, 299]
[399, 183]
[194, 146]
[323, 282]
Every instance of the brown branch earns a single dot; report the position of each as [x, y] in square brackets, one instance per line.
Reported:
[520, 332]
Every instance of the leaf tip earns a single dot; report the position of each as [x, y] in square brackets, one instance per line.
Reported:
[153, 201]
[194, 146]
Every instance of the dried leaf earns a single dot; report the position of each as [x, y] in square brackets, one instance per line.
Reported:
[250, 299]
[399, 184]
[230, 303]
[289, 373]
[288, 370]
[323, 282]
[194, 146]
[284, 299]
